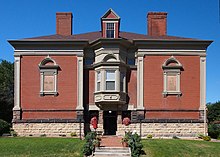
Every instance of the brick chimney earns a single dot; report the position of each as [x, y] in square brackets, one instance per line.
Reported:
[64, 23]
[157, 23]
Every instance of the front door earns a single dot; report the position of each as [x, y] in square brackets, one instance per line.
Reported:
[110, 122]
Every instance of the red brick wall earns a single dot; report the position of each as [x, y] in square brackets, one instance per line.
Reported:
[132, 87]
[89, 86]
[67, 87]
[190, 88]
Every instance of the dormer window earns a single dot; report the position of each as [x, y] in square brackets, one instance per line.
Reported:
[110, 23]
[110, 30]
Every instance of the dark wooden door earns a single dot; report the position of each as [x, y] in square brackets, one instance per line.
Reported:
[110, 122]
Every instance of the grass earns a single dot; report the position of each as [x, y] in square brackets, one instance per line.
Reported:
[180, 148]
[42, 147]
[72, 147]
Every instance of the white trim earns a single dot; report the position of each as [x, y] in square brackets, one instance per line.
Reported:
[202, 83]
[113, 21]
[80, 83]
[17, 74]
[140, 83]
[203, 91]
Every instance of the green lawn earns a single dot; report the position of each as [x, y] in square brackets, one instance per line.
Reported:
[180, 148]
[70, 147]
[43, 147]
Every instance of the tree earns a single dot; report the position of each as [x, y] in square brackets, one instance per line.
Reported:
[6, 90]
[213, 112]
[214, 119]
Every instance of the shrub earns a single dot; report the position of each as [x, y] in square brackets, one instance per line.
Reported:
[13, 133]
[175, 137]
[135, 144]
[91, 142]
[200, 136]
[73, 134]
[149, 136]
[214, 130]
[206, 138]
[4, 127]
[43, 135]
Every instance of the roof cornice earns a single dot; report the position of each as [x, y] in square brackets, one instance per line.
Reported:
[202, 44]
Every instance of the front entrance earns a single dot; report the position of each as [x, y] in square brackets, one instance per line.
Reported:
[110, 122]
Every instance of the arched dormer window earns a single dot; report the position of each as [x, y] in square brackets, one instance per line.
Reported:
[48, 76]
[171, 77]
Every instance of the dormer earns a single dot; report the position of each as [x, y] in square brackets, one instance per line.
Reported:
[110, 23]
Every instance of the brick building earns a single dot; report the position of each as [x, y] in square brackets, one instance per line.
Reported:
[156, 80]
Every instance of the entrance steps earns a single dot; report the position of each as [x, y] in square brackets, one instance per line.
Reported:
[112, 151]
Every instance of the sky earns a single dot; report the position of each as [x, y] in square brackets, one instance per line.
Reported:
[198, 19]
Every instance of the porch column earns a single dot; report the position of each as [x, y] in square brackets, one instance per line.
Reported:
[140, 82]
[80, 83]
[17, 105]
[202, 107]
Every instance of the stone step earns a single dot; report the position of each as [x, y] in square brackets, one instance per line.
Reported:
[112, 151]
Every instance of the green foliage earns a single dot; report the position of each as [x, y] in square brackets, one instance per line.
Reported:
[13, 133]
[43, 135]
[175, 137]
[214, 130]
[6, 90]
[200, 136]
[4, 127]
[213, 112]
[135, 144]
[73, 134]
[91, 140]
[206, 138]
[149, 136]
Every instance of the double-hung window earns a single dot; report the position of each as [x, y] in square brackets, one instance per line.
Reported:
[110, 80]
[110, 30]
[98, 80]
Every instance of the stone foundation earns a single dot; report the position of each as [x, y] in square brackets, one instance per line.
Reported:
[164, 129]
[48, 129]
[155, 129]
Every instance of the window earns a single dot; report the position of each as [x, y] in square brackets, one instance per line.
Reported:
[110, 30]
[98, 80]
[122, 82]
[48, 77]
[131, 61]
[171, 72]
[110, 80]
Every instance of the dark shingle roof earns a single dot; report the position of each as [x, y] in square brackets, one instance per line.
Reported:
[92, 36]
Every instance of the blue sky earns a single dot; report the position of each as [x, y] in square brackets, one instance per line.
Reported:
[186, 18]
